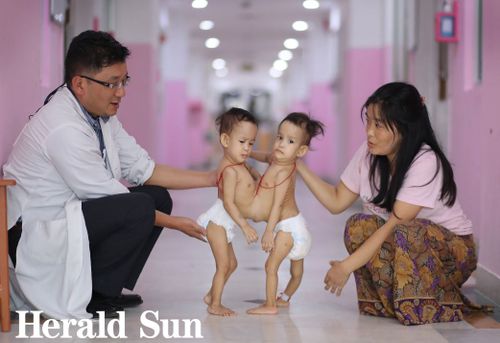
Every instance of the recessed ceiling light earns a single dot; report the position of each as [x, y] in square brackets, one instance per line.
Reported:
[285, 55]
[221, 72]
[280, 65]
[310, 4]
[275, 73]
[291, 43]
[218, 63]
[300, 25]
[212, 43]
[199, 3]
[206, 25]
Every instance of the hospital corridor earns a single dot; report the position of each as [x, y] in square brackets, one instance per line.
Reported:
[143, 119]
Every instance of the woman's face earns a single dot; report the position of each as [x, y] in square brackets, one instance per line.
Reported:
[381, 139]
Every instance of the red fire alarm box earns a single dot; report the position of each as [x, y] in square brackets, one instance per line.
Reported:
[446, 27]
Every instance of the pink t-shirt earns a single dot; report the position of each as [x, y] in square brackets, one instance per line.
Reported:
[356, 178]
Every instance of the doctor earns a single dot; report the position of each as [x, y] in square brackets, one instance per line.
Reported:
[85, 236]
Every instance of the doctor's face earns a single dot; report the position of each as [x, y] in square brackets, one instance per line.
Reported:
[97, 97]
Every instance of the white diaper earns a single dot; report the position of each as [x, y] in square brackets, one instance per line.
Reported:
[218, 215]
[301, 237]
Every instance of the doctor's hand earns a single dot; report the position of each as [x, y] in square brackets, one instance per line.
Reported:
[336, 277]
[189, 227]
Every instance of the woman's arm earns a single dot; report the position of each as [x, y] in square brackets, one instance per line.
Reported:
[338, 274]
[274, 215]
[173, 178]
[229, 186]
[335, 198]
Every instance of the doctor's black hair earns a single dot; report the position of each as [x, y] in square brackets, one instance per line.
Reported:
[91, 51]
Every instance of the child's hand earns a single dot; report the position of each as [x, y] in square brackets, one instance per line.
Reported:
[250, 234]
[267, 241]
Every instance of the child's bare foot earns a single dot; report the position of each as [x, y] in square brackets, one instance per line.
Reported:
[281, 303]
[263, 309]
[207, 299]
[220, 310]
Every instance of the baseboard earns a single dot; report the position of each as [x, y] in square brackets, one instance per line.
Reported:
[488, 283]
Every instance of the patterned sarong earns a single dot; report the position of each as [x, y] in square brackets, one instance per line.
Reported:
[417, 274]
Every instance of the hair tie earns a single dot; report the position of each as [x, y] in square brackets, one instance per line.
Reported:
[422, 100]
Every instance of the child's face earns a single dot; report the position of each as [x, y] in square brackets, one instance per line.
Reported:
[238, 144]
[289, 143]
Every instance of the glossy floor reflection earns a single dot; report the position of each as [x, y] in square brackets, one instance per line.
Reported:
[180, 270]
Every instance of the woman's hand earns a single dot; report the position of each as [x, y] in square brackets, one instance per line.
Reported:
[336, 277]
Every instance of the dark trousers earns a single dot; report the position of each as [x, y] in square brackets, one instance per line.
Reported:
[121, 234]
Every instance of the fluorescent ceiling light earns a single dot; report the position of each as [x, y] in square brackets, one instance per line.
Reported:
[206, 25]
[310, 4]
[280, 65]
[199, 3]
[300, 25]
[212, 43]
[291, 43]
[285, 55]
[218, 63]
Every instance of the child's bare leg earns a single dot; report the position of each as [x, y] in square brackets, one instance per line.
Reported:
[217, 239]
[296, 272]
[233, 264]
[283, 243]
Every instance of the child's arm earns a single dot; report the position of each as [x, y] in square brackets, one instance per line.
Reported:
[274, 216]
[229, 185]
[261, 156]
[185, 225]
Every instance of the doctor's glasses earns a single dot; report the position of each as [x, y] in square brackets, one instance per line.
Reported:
[114, 85]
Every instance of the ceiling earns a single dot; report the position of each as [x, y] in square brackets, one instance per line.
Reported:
[251, 32]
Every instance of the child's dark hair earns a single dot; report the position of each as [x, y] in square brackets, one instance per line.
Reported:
[311, 126]
[226, 121]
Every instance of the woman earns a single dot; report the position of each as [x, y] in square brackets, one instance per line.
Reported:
[413, 247]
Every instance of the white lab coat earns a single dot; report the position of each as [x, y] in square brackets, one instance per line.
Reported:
[57, 164]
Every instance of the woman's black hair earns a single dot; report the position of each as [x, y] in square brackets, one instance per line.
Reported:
[402, 110]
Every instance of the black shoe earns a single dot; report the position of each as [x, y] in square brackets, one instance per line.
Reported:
[126, 300]
[100, 303]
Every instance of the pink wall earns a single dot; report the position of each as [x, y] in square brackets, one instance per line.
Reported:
[31, 55]
[475, 136]
[174, 125]
[322, 156]
[365, 71]
[138, 112]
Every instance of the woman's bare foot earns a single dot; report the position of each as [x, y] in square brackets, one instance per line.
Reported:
[220, 310]
[281, 303]
[263, 309]
[207, 299]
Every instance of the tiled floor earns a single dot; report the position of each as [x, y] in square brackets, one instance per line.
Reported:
[180, 270]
